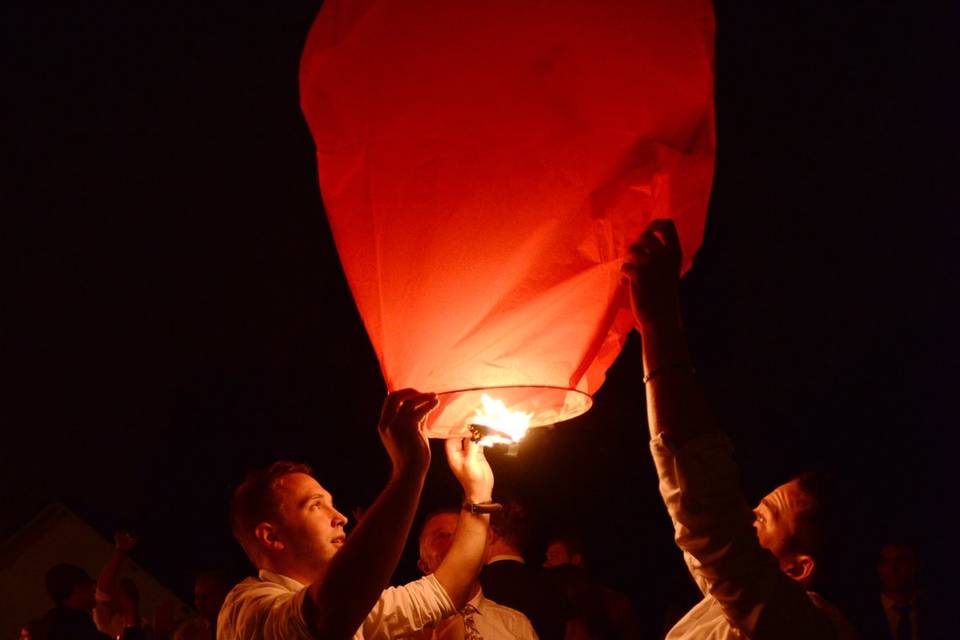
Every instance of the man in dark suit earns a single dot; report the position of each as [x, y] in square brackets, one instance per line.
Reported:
[509, 580]
[902, 610]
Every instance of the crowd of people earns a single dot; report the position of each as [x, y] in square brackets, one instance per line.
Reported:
[757, 568]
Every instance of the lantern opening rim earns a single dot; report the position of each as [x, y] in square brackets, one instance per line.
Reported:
[547, 405]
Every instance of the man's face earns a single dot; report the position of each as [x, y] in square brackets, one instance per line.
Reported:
[897, 568]
[776, 516]
[311, 529]
[557, 555]
[435, 540]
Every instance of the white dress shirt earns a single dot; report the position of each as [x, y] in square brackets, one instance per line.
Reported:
[746, 594]
[491, 620]
[270, 607]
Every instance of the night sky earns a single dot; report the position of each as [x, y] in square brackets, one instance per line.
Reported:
[179, 315]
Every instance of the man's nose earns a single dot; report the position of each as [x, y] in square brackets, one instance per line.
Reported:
[339, 519]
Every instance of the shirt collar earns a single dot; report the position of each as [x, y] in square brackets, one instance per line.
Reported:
[277, 578]
[476, 602]
[506, 556]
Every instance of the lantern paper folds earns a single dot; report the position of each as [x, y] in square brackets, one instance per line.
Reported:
[485, 166]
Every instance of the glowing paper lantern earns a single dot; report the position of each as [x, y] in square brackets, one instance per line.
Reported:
[485, 166]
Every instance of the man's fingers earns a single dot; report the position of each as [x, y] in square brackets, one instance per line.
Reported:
[418, 406]
[640, 253]
[651, 241]
[658, 240]
[393, 402]
[638, 257]
[666, 230]
[462, 448]
[472, 449]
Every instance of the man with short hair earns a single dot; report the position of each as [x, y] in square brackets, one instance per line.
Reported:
[509, 580]
[754, 568]
[73, 592]
[314, 582]
[597, 610]
[897, 570]
[481, 616]
[563, 551]
[903, 610]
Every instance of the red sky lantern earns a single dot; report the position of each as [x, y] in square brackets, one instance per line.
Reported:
[484, 167]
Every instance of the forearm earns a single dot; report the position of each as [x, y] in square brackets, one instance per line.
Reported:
[107, 580]
[676, 404]
[340, 600]
[699, 483]
[459, 569]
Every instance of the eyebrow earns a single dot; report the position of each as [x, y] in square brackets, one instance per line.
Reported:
[311, 498]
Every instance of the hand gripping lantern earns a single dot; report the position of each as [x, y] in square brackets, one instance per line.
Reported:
[484, 167]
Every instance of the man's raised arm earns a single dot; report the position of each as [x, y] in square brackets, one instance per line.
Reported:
[458, 571]
[338, 601]
[676, 405]
[699, 481]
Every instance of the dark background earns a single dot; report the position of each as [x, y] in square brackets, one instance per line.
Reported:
[178, 313]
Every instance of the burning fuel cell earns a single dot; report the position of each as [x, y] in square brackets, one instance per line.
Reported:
[494, 424]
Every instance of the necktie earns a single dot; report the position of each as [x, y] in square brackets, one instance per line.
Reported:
[903, 626]
[470, 631]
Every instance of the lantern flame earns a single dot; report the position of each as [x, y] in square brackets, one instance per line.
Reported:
[502, 426]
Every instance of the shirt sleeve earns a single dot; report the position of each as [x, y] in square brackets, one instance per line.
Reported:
[264, 612]
[713, 526]
[525, 630]
[407, 609]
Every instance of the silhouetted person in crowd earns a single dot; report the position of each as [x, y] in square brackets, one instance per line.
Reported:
[118, 600]
[73, 593]
[507, 578]
[597, 612]
[492, 621]
[194, 628]
[755, 568]
[314, 582]
[210, 589]
[902, 610]
[563, 551]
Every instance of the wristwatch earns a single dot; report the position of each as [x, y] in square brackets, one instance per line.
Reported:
[482, 507]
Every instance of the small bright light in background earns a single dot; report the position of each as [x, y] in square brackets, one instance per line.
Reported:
[504, 426]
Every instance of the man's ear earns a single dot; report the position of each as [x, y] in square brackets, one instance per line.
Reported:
[800, 567]
[576, 560]
[424, 569]
[268, 535]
